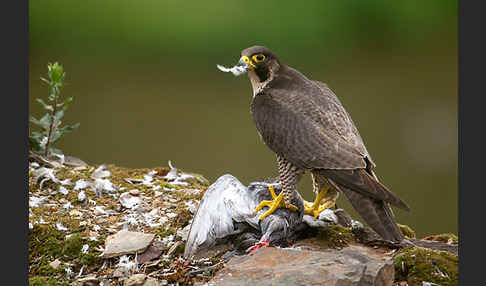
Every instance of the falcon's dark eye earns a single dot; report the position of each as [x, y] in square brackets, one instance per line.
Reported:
[259, 58]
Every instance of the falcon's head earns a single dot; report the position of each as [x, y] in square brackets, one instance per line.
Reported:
[258, 61]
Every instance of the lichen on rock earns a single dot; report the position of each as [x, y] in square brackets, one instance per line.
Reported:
[416, 265]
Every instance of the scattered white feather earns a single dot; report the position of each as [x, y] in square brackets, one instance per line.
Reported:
[175, 178]
[102, 185]
[236, 70]
[63, 190]
[156, 188]
[168, 240]
[172, 175]
[100, 211]
[45, 174]
[69, 272]
[66, 182]
[67, 205]
[191, 206]
[60, 227]
[130, 266]
[128, 201]
[31, 226]
[171, 215]
[177, 182]
[36, 201]
[81, 184]
[192, 191]
[130, 219]
[163, 220]
[149, 219]
[148, 179]
[61, 158]
[184, 233]
[81, 271]
[85, 248]
[100, 173]
[34, 165]
[81, 196]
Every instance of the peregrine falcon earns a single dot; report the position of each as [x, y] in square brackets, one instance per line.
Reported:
[305, 124]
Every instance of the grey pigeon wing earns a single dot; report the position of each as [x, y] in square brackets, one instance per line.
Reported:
[225, 202]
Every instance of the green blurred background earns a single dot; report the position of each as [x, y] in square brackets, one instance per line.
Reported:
[146, 88]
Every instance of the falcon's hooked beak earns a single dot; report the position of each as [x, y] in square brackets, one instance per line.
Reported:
[243, 65]
[246, 62]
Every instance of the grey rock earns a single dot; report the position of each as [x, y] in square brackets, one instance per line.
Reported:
[151, 282]
[135, 280]
[153, 251]
[119, 272]
[55, 264]
[352, 265]
[127, 242]
[90, 280]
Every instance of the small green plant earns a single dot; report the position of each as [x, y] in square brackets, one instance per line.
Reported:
[51, 131]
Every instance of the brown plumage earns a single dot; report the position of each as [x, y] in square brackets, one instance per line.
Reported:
[305, 124]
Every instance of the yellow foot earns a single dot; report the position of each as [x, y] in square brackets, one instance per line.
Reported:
[275, 203]
[315, 208]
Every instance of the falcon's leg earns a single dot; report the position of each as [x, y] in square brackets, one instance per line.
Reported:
[289, 177]
[324, 191]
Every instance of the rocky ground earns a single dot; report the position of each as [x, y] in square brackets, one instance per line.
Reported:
[109, 225]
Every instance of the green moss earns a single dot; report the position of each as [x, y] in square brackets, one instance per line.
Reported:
[407, 231]
[45, 281]
[162, 232]
[72, 246]
[423, 264]
[72, 250]
[46, 243]
[183, 217]
[198, 180]
[444, 237]
[44, 240]
[47, 270]
[335, 236]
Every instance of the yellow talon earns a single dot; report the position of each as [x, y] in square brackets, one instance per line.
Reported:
[275, 203]
[315, 208]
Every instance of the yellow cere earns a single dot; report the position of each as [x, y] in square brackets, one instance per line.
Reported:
[247, 61]
[258, 58]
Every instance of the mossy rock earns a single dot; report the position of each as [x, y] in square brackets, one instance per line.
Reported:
[46, 243]
[45, 281]
[416, 265]
[335, 236]
[444, 237]
[407, 231]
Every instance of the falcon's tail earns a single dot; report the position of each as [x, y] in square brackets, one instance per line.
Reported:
[359, 180]
[376, 213]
